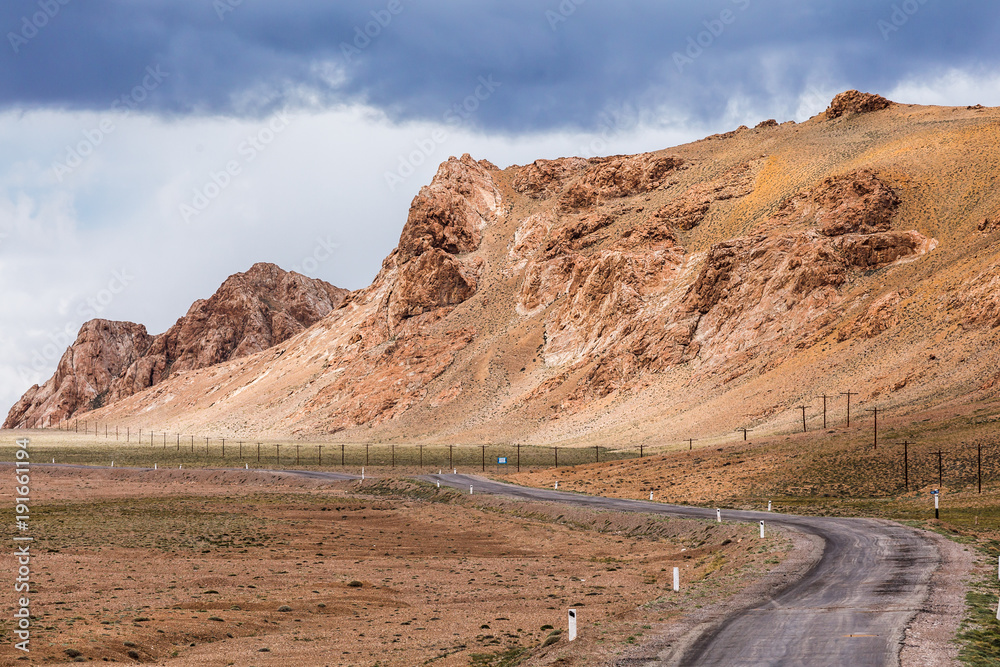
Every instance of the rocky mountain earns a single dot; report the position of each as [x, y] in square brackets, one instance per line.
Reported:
[109, 361]
[653, 297]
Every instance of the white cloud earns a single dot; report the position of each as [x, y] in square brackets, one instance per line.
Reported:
[954, 87]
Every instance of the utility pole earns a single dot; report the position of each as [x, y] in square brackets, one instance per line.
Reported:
[979, 466]
[392, 447]
[640, 450]
[555, 450]
[519, 457]
[848, 394]
[367, 445]
[450, 451]
[484, 457]
[906, 463]
[940, 456]
[825, 399]
[803, 409]
[597, 452]
[875, 410]
[690, 442]
[745, 431]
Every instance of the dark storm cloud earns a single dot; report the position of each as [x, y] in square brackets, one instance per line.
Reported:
[549, 64]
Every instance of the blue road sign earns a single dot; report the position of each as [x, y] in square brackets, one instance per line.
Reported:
[501, 460]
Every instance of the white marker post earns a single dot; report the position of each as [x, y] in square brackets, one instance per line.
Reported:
[454, 471]
[439, 471]
[246, 466]
[53, 460]
[677, 579]
[557, 486]
[768, 505]
[572, 624]
[439, 484]
[718, 515]
[650, 495]
[362, 473]
[112, 464]
[762, 529]
[470, 489]
[154, 467]
[937, 496]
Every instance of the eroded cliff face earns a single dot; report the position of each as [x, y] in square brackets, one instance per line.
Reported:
[110, 361]
[101, 353]
[572, 297]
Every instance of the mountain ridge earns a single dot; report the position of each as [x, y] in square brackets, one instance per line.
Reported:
[639, 298]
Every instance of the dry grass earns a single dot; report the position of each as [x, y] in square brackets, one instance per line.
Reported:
[210, 567]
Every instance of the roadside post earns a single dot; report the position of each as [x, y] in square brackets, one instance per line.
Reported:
[677, 579]
[718, 515]
[572, 624]
[762, 529]
[937, 504]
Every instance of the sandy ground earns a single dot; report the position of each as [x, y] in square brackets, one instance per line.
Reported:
[196, 567]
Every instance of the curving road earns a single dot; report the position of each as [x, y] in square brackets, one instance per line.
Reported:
[850, 609]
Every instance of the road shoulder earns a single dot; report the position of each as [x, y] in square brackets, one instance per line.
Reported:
[670, 647]
[929, 639]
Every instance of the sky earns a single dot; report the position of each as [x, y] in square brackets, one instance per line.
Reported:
[150, 149]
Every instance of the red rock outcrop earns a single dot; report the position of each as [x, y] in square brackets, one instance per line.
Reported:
[102, 351]
[431, 268]
[544, 178]
[857, 202]
[109, 361]
[618, 176]
[854, 102]
[621, 316]
[689, 209]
